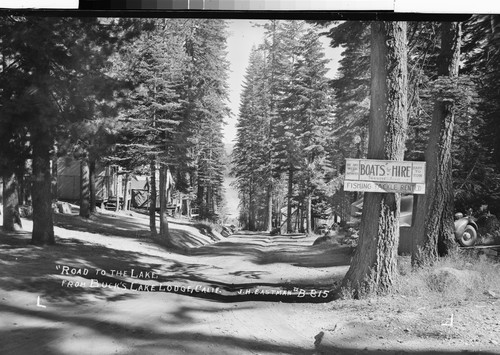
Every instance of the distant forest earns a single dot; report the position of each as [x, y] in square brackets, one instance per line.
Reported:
[296, 127]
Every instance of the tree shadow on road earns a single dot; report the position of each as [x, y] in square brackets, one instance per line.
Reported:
[293, 254]
[154, 337]
[34, 269]
[103, 224]
[29, 268]
[53, 272]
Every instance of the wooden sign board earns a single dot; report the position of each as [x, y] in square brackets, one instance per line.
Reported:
[369, 175]
[372, 186]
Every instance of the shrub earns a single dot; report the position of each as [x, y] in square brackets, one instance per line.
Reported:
[26, 211]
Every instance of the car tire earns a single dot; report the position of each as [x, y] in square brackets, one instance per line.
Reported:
[468, 237]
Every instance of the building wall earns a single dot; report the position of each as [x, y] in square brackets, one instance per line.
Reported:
[68, 180]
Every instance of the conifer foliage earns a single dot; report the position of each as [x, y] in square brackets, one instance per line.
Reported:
[148, 95]
[284, 120]
[205, 100]
[173, 114]
[46, 63]
[152, 67]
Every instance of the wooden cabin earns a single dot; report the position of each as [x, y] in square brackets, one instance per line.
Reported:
[109, 183]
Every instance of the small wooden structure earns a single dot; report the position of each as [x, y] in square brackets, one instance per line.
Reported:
[178, 203]
[111, 185]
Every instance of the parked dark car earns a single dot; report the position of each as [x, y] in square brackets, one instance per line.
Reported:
[465, 227]
[465, 230]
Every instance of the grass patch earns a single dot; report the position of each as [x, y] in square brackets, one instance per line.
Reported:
[452, 301]
[461, 276]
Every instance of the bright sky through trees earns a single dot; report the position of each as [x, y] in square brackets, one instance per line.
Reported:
[242, 36]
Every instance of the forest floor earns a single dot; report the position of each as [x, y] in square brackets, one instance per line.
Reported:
[108, 288]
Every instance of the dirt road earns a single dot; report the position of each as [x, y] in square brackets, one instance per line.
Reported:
[48, 305]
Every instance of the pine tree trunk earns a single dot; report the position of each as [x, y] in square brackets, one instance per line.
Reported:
[210, 207]
[169, 195]
[152, 198]
[84, 188]
[300, 219]
[126, 195]
[251, 210]
[434, 227]
[163, 203]
[373, 268]
[207, 201]
[200, 200]
[43, 228]
[21, 186]
[54, 177]
[118, 190]
[269, 218]
[278, 219]
[11, 216]
[93, 192]
[188, 208]
[108, 186]
[289, 201]
[309, 214]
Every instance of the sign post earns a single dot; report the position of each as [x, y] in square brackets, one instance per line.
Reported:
[389, 176]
